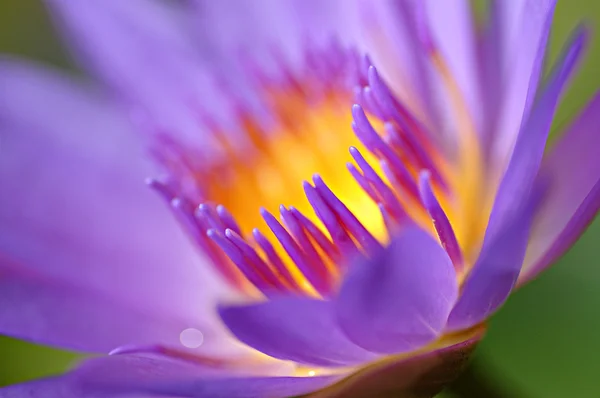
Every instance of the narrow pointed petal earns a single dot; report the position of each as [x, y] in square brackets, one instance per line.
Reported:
[518, 179]
[572, 171]
[498, 266]
[400, 300]
[494, 274]
[525, 28]
[74, 208]
[297, 329]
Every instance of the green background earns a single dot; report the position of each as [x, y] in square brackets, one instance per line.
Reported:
[544, 342]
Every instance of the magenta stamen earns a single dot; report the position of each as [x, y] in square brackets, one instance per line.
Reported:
[330, 250]
[338, 234]
[236, 255]
[400, 213]
[280, 269]
[183, 211]
[296, 255]
[228, 220]
[209, 217]
[371, 103]
[418, 154]
[395, 110]
[390, 224]
[372, 140]
[297, 231]
[254, 259]
[386, 194]
[363, 182]
[381, 93]
[440, 221]
[355, 227]
[393, 139]
[163, 189]
[364, 63]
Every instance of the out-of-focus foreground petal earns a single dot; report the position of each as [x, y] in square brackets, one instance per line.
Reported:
[143, 376]
[572, 172]
[74, 208]
[400, 300]
[143, 50]
[297, 329]
[401, 376]
[498, 266]
[258, 26]
[403, 37]
[58, 387]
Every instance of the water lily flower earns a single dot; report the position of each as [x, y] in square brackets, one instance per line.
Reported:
[317, 222]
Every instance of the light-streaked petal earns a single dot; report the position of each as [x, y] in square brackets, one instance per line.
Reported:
[524, 31]
[159, 376]
[401, 376]
[572, 172]
[297, 329]
[402, 36]
[453, 32]
[74, 206]
[400, 300]
[228, 26]
[54, 312]
[143, 49]
[498, 266]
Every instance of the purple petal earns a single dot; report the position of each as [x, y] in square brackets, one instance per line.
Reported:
[524, 31]
[231, 387]
[392, 33]
[572, 169]
[53, 312]
[74, 208]
[144, 50]
[420, 376]
[131, 374]
[162, 376]
[230, 25]
[400, 300]
[452, 29]
[57, 387]
[526, 158]
[293, 328]
[497, 268]
[494, 274]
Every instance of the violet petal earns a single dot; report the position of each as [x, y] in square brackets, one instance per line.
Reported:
[297, 329]
[572, 169]
[399, 300]
[497, 268]
[74, 208]
[525, 28]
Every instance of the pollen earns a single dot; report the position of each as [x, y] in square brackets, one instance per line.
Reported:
[284, 203]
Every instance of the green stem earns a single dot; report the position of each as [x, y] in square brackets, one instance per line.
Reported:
[480, 381]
